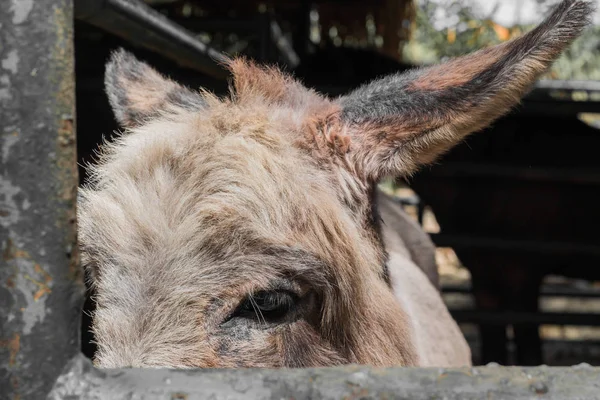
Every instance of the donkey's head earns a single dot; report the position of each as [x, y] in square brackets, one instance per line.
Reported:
[241, 232]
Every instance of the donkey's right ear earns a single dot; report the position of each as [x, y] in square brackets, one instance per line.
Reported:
[138, 93]
[403, 121]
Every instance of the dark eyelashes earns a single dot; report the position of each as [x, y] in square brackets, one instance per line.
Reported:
[266, 306]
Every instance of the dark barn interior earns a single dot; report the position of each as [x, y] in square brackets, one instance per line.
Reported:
[517, 203]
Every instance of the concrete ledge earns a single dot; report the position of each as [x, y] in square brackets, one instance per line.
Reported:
[82, 381]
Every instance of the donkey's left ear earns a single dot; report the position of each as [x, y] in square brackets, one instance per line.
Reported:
[137, 93]
[406, 120]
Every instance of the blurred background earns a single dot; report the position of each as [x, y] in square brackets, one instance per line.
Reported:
[513, 210]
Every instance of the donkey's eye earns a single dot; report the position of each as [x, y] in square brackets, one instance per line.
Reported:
[267, 306]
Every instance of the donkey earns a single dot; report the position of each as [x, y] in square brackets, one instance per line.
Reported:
[244, 231]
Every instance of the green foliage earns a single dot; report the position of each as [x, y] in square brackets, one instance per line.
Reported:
[582, 60]
[464, 33]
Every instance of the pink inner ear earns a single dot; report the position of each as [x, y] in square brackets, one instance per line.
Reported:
[146, 94]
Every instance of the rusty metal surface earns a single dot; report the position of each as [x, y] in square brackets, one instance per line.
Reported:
[40, 284]
[82, 381]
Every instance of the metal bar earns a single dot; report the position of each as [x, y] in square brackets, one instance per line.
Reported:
[245, 26]
[580, 176]
[570, 85]
[352, 382]
[264, 34]
[562, 98]
[41, 290]
[555, 109]
[197, 24]
[532, 318]
[587, 343]
[283, 45]
[146, 27]
[545, 291]
[515, 245]
[302, 36]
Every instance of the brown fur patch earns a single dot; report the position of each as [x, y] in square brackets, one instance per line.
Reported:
[458, 71]
[252, 82]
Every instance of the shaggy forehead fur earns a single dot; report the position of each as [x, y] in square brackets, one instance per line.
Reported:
[197, 206]
[239, 166]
